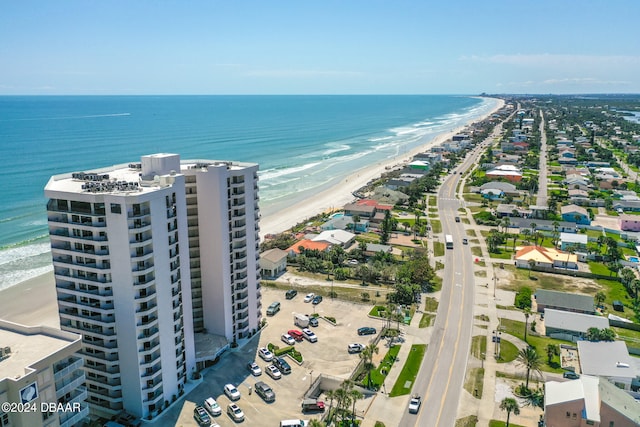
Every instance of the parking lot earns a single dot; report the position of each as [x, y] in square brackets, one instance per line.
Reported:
[327, 356]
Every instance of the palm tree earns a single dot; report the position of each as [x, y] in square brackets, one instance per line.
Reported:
[330, 395]
[342, 401]
[607, 334]
[515, 237]
[627, 276]
[635, 288]
[532, 263]
[355, 395]
[552, 350]
[316, 423]
[593, 334]
[529, 358]
[525, 234]
[510, 405]
[367, 356]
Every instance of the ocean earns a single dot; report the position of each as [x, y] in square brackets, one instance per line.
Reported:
[302, 143]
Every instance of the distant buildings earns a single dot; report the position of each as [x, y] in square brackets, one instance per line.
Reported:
[39, 366]
[147, 258]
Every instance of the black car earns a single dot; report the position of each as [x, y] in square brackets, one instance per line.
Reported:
[282, 365]
[317, 300]
[570, 375]
[265, 392]
[201, 416]
[367, 330]
[290, 294]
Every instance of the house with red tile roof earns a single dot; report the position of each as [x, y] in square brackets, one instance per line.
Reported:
[309, 245]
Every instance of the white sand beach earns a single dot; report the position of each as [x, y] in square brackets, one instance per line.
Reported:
[33, 302]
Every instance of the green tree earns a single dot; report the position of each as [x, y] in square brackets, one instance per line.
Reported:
[527, 313]
[593, 334]
[600, 298]
[530, 359]
[552, 350]
[510, 405]
[355, 395]
[316, 423]
[627, 275]
[367, 356]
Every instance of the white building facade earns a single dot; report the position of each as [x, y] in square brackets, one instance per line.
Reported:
[145, 255]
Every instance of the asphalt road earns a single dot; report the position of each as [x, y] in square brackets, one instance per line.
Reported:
[441, 377]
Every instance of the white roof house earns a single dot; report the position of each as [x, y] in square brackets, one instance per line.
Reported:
[586, 389]
[575, 324]
[336, 237]
[609, 359]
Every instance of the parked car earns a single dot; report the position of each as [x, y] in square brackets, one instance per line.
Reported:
[414, 404]
[231, 391]
[317, 300]
[290, 294]
[265, 392]
[309, 297]
[296, 334]
[366, 330]
[254, 369]
[287, 339]
[309, 335]
[273, 372]
[313, 321]
[355, 348]
[201, 416]
[570, 375]
[273, 308]
[282, 365]
[235, 412]
[265, 354]
[212, 406]
[312, 405]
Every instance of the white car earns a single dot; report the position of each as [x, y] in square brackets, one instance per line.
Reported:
[309, 335]
[265, 354]
[309, 297]
[235, 412]
[273, 372]
[355, 348]
[254, 369]
[287, 339]
[212, 406]
[231, 391]
[414, 404]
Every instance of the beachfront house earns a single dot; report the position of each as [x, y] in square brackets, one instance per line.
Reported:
[307, 245]
[588, 401]
[273, 263]
[564, 301]
[336, 237]
[571, 326]
[574, 213]
[344, 222]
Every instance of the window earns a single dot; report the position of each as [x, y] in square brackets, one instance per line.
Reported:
[4, 420]
[116, 208]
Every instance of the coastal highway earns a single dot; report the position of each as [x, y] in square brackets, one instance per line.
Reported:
[442, 373]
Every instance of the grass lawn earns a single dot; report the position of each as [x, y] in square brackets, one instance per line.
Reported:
[436, 226]
[471, 233]
[409, 370]
[377, 375]
[538, 280]
[469, 421]
[508, 351]
[501, 255]
[378, 311]
[438, 249]
[594, 233]
[425, 320]
[439, 266]
[498, 423]
[472, 197]
[479, 346]
[480, 273]
[516, 328]
[474, 382]
[476, 250]
[431, 304]
[599, 268]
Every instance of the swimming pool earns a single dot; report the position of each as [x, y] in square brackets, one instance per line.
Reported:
[633, 259]
[337, 215]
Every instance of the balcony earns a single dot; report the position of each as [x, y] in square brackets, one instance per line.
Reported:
[138, 213]
[66, 368]
[68, 385]
[150, 333]
[147, 321]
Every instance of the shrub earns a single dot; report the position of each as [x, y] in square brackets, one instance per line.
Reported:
[523, 298]
[330, 319]
[284, 350]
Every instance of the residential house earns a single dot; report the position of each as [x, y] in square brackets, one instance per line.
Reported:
[507, 188]
[576, 242]
[420, 165]
[492, 194]
[570, 326]
[346, 223]
[578, 197]
[363, 211]
[629, 222]
[588, 401]
[508, 172]
[504, 210]
[273, 263]
[574, 213]
[626, 205]
[336, 237]
[538, 211]
[374, 248]
[545, 257]
[308, 245]
[564, 301]
[610, 359]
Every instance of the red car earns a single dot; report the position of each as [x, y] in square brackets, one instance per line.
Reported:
[296, 334]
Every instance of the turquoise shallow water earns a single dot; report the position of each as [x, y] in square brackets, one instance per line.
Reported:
[300, 142]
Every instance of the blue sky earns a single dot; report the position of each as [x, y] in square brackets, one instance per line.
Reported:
[319, 47]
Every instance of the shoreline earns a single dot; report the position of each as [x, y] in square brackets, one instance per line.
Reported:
[33, 302]
[340, 193]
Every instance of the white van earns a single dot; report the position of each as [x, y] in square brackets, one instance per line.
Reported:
[294, 423]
